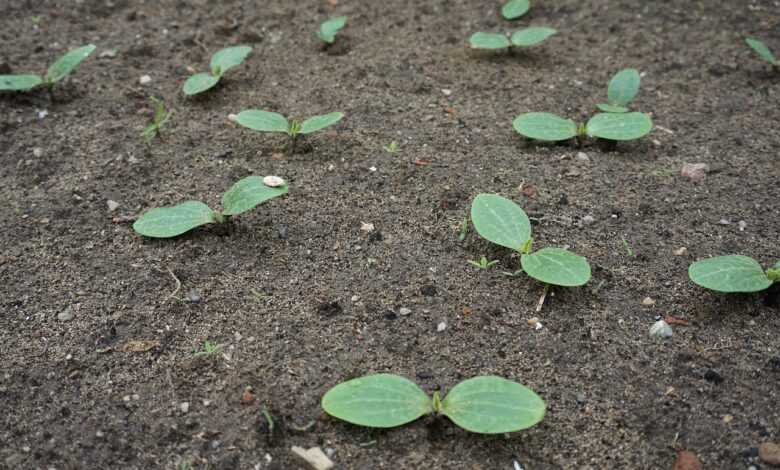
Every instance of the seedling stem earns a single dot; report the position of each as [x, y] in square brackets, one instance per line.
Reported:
[436, 402]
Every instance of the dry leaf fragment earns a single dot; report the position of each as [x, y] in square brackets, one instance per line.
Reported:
[140, 345]
[686, 460]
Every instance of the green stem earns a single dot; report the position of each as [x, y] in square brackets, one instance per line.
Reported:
[436, 403]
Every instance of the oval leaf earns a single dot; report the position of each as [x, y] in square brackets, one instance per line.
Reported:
[613, 126]
[609, 108]
[531, 36]
[732, 273]
[545, 126]
[623, 87]
[500, 221]
[316, 123]
[488, 41]
[329, 28]
[227, 58]
[19, 82]
[264, 121]
[556, 266]
[248, 193]
[762, 50]
[379, 401]
[166, 222]
[492, 405]
[514, 9]
[65, 64]
[199, 83]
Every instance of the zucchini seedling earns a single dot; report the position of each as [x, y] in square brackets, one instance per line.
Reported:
[733, 273]
[329, 28]
[763, 51]
[56, 72]
[621, 90]
[266, 121]
[222, 61]
[523, 38]
[484, 405]
[246, 194]
[514, 9]
[160, 118]
[609, 126]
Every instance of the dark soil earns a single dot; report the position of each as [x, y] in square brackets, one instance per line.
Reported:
[300, 298]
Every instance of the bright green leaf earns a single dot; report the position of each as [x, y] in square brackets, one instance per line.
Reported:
[488, 41]
[531, 36]
[623, 87]
[65, 64]
[492, 405]
[732, 273]
[199, 83]
[613, 126]
[166, 222]
[19, 82]
[379, 401]
[762, 50]
[556, 266]
[500, 221]
[609, 108]
[227, 58]
[545, 126]
[264, 121]
[329, 28]
[316, 123]
[248, 193]
[514, 9]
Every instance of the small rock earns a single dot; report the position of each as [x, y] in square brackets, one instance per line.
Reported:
[728, 418]
[682, 251]
[110, 54]
[446, 91]
[233, 117]
[247, 398]
[724, 222]
[742, 225]
[273, 181]
[315, 458]
[695, 171]
[534, 322]
[42, 113]
[686, 460]
[404, 311]
[372, 169]
[712, 376]
[588, 219]
[582, 157]
[769, 453]
[441, 327]
[65, 315]
[355, 298]
[661, 329]
[366, 227]
[194, 296]
[184, 406]
[648, 302]
[37, 152]
[112, 205]
[581, 398]
[145, 80]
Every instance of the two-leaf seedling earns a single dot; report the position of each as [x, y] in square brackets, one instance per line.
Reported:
[501, 221]
[485, 405]
[621, 90]
[246, 194]
[763, 51]
[221, 62]
[56, 72]
[523, 38]
[733, 273]
[328, 29]
[266, 121]
[160, 118]
[514, 9]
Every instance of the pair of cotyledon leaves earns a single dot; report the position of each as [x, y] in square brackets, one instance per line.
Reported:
[610, 126]
[763, 51]
[486, 405]
[221, 62]
[56, 71]
[523, 38]
[166, 222]
[328, 29]
[504, 223]
[266, 121]
[733, 273]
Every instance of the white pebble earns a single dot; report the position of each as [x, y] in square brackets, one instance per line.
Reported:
[112, 205]
[404, 311]
[184, 406]
[273, 181]
[661, 329]
[145, 80]
[441, 327]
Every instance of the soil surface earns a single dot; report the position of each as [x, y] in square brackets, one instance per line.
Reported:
[300, 297]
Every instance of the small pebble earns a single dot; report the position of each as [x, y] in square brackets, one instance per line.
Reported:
[65, 315]
[273, 181]
[661, 329]
[588, 219]
[446, 91]
[648, 301]
[682, 251]
[112, 205]
[724, 222]
[404, 311]
[582, 157]
[769, 452]
[742, 225]
[194, 296]
[441, 327]
[37, 152]
[232, 117]
[145, 80]
[366, 227]
[695, 171]
[184, 406]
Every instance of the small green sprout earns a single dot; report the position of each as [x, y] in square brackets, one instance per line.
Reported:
[485, 404]
[733, 273]
[523, 38]
[246, 194]
[266, 121]
[160, 118]
[763, 51]
[483, 263]
[501, 221]
[208, 349]
[328, 29]
[56, 72]
[514, 9]
[621, 90]
[609, 126]
[221, 62]
[392, 147]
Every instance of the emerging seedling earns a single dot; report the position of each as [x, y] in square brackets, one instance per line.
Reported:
[246, 194]
[524, 38]
[621, 90]
[485, 405]
[208, 349]
[392, 147]
[763, 51]
[733, 273]
[160, 118]
[483, 263]
[330, 28]
[56, 72]
[221, 62]
[609, 126]
[514, 9]
[266, 121]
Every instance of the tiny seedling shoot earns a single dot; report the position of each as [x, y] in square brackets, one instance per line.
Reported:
[733, 273]
[609, 126]
[501, 221]
[56, 72]
[485, 405]
[246, 194]
[483, 262]
[524, 38]
[328, 29]
[160, 118]
[763, 51]
[621, 90]
[266, 121]
[221, 62]
[514, 9]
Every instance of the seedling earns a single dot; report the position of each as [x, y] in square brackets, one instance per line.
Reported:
[330, 28]
[56, 72]
[514, 9]
[221, 62]
[733, 273]
[485, 404]
[621, 90]
[483, 263]
[609, 126]
[161, 117]
[524, 38]
[246, 194]
[266, 121]
[392, 147]
[208, 349]
[763, 51]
